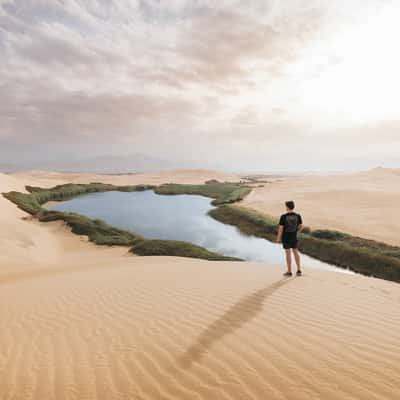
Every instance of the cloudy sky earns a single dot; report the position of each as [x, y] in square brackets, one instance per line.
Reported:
[273, 85]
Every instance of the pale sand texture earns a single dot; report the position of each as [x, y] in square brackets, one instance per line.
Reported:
[82, 322]
[366, 204]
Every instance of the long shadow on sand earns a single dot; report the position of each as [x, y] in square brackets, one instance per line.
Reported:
[234, 318]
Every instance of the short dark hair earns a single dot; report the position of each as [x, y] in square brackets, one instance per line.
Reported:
[289, 204]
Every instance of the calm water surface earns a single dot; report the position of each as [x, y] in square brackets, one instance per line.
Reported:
[179, 217]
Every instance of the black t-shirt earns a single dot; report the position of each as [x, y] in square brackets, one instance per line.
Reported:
[290, 222]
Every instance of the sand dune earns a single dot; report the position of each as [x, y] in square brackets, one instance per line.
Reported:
[362, 204]
[27, 245]
[82, 322]
[165, 328]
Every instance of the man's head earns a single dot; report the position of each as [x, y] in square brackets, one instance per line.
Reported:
[289, 205]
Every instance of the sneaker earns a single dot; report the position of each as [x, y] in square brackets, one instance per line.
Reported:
[299, 273]
[287, 274]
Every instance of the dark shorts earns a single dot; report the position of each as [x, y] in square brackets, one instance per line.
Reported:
[290, 244]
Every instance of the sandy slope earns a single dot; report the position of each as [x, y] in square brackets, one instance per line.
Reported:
[365, 204]
[82, 322]
[28, 245]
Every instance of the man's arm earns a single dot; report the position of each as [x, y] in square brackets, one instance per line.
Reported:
[280, 229]
[280, 232]
[300, 227]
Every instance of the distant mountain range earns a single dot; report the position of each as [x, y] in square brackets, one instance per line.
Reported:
[106, 164]
[112, 164]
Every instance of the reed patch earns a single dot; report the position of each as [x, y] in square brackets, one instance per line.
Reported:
[364, 256]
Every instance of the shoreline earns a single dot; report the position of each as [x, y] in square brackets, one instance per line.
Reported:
[102, 233]
[339, 249]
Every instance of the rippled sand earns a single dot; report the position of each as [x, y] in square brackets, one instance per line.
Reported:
[82, 322]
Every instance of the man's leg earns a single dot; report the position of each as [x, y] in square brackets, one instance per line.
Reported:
[288, 260]
[297, 258]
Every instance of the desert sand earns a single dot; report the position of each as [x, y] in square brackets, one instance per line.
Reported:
[80, 321]
[363, 204]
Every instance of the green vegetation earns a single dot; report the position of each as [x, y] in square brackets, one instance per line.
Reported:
[222, 193]
[25, 202]
[356, 242]
[248, 221]
[31, 202]
[177, 248]
[103, 234]
[360, 255]
[97, 230]
[361, 259]
[364, 256]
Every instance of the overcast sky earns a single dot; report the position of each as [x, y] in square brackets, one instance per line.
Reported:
[274, 85]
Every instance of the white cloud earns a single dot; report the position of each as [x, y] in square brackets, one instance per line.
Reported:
[223, 74]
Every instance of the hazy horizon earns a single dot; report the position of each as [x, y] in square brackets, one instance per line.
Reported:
[265, 86]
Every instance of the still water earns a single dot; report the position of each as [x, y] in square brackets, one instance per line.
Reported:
[179, 217]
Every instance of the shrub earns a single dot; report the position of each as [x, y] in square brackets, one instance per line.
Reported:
[25, 202]
[362, 260]
[177, 248]
[222, 193]
[328, 234]
[248, 221]
[97, 230]
[31, 202]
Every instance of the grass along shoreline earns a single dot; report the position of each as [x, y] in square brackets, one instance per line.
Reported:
[363, 256]
[360, 255]
[102, 233]
[32, 201]
[222, 193]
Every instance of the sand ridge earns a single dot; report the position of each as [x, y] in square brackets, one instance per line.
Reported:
[80, 321]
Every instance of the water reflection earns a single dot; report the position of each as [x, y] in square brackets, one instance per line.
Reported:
[181, 217]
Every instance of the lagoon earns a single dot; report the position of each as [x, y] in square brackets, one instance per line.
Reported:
[178, 217]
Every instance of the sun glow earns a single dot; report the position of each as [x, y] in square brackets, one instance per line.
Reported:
[347, 76]
[359, 77]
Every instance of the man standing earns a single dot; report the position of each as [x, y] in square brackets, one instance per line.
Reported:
[289, 224]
